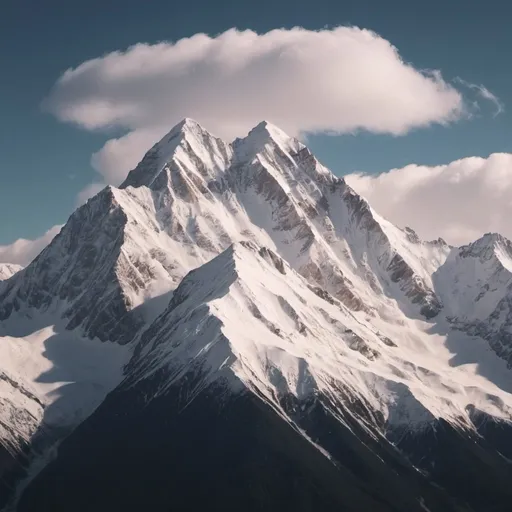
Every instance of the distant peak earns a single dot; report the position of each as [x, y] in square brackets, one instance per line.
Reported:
[7, 270]
[487, 246]
[489, 239]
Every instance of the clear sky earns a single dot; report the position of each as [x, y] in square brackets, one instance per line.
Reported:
[44, 163]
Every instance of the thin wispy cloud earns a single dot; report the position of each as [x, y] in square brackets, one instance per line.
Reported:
[485, 94]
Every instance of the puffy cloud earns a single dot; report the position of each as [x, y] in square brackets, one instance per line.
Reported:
[22, 251]
[337, 81]
[459, 201]
[120, 155]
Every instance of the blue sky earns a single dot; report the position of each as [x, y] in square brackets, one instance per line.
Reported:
[44, 163]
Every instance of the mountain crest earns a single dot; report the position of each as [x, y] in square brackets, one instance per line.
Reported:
[489, 245]
[190, 147]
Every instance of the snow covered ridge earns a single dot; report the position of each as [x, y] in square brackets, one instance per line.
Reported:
[247, 317]
[7, 270]
[253, 264]
[190, 197]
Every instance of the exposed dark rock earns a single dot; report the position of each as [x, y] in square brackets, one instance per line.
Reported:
[271, 256]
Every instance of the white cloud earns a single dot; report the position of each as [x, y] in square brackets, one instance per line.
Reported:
[459, 201]
[118, 156]
[338, 80]
[22, 251]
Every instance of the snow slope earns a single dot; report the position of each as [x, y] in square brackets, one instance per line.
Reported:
[248, 311]
[50, 377]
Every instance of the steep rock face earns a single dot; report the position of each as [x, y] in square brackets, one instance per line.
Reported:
[21, 415]
[385, 255]
[78, 272]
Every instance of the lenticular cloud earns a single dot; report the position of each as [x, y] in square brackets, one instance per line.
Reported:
[338, 81]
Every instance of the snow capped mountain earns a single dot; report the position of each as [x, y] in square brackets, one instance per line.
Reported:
[193, 195]
[7, 270]
[248, 269]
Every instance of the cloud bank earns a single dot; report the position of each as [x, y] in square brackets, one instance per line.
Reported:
[459, 201]
[22, 251]
[337, 81]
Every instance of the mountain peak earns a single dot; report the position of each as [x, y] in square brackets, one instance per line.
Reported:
[263, 136]
[271, 129]
[265, 131]
[186, 125]
[491, 238]
[186, 129]
[186, 141]
[189, 143]
[487, 245]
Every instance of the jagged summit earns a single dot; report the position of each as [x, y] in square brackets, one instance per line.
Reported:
[486, 244]
[191, 196]
[192, 148]
[188, 139]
